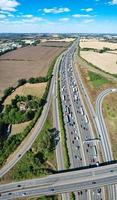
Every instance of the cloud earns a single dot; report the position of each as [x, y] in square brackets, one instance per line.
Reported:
[87, 9]
[8, 5]
[27, 16]
[114, 2]
[32, 19]
[2, 16]
[56, 10]
[81, 16]
[87, 21]
[64, 19]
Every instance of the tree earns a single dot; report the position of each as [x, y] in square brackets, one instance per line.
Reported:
[30, 115]
[8, 91]
[39, 157]
[21, 82]
[3, 127]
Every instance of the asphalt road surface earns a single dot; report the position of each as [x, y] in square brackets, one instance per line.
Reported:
[81, 146]
[62, 182]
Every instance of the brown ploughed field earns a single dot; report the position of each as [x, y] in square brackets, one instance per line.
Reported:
[27, 62]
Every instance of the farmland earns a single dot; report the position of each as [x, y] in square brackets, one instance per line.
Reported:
[106, 61]
[27, 62]
[96, 44]
[27, 89]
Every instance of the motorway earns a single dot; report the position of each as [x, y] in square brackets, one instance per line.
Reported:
[61, 182]
[82, 149]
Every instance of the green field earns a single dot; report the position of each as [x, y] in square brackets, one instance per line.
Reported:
[97, 80]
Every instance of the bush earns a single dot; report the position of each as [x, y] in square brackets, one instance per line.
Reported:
[21, 82]
[8, 91]
[3, 127]
[33, 80]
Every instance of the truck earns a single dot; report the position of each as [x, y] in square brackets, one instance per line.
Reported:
[86, 118]
[75, 97]
[67, 118]
[81, 111]
[63, 97]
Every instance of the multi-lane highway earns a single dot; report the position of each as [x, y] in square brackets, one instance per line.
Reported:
[82, 149]
[60, 183]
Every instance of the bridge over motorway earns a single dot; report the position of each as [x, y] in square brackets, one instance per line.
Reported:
[62, 182]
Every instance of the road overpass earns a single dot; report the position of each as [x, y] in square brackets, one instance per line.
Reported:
[61, 182]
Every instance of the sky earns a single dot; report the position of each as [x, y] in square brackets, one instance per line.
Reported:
[58, 16]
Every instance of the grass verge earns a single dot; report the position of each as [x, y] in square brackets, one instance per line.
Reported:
[97, 80]
[110, 116]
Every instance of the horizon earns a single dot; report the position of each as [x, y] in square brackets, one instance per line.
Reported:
[90, 33]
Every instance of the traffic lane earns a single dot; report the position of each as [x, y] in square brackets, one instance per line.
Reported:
[75, 154]
[89, 158]
[70, 129]
[86, 137]
[92, 160]
[71, 123]
[85, 134]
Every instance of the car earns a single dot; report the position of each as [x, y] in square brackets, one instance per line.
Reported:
[93, 182]
[78, 193]
[19, 155]
[97, 163]
[99, 190]
[19, 186]
[9, 193]
[24, 194]
[111, 170]
[77, 137]
[52, 189]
